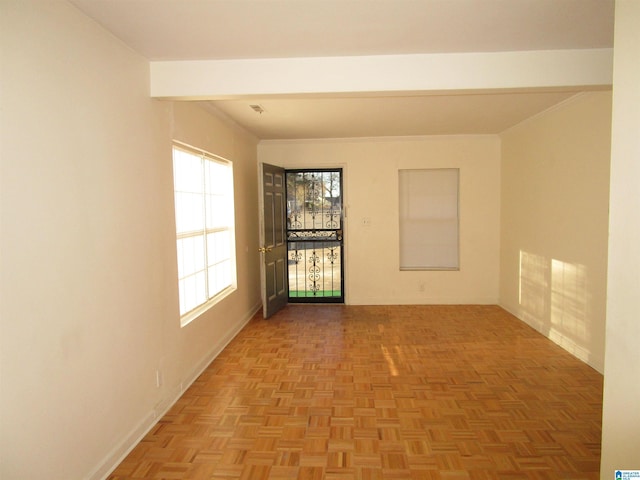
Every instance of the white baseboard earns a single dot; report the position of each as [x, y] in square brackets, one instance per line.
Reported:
[421, 300]
[558, 338]
[136, 434]
[215, 351]
[118, 453]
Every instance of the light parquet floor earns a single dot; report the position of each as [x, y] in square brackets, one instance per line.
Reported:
[396, 392]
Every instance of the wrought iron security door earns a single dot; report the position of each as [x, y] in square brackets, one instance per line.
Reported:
[314, 236]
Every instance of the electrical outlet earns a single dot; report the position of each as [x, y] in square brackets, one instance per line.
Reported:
[158, 378]
[366, 221]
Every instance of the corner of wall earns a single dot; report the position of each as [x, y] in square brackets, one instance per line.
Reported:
[137, 433]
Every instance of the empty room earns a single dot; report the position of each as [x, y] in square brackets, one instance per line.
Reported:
[319, 239]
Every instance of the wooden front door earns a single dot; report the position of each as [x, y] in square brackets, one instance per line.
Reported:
[273, 237]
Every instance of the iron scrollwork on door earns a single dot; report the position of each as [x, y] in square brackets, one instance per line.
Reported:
[332, 255]
[314, 273]
[314, 235]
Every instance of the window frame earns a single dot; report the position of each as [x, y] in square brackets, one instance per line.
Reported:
[205, 232]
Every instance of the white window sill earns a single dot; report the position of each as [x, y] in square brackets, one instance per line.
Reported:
[196, 312]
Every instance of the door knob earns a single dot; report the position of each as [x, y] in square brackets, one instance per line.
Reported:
[264, 249]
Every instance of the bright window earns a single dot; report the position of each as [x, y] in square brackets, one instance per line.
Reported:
[429, 219]
[203, 191]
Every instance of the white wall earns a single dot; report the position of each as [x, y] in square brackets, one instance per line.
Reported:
[621, 415]
[371, 191]
[555, 187]
[88, 274]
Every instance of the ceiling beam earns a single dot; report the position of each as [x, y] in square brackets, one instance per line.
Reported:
[391, 74]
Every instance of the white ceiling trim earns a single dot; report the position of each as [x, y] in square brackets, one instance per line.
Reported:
[218, 79]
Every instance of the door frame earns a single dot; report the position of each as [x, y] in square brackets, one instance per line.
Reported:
[341, 240]
[345, 217]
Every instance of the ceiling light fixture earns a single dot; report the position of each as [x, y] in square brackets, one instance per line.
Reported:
[257, 108]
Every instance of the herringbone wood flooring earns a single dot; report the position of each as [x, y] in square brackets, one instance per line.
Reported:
[393, 392]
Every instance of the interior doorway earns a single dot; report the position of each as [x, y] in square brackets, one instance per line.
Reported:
[314, 234]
